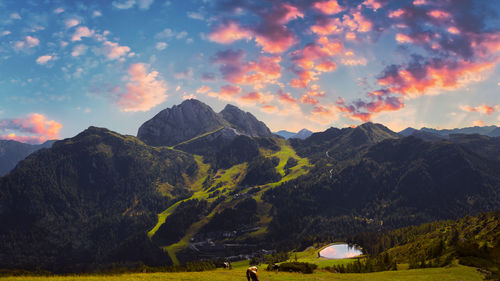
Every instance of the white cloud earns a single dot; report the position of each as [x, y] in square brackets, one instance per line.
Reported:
[123, 5]
[15, 16]
[114, 51]
[96, 14]
[82, 31]
[58, 10]
[145, 4]
[26, 43]
[69, 23]
[5, 32]
[45, 59]
[181, 35]
[79, 50]
[195, 15]
[161, 46]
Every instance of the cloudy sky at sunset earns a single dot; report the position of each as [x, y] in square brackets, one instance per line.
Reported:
[68, 65]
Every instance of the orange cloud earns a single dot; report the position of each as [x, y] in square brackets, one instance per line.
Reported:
[438, 14]
[308, 100]
[229, 90]
[328, 7]
[323, 114]
[478, 123]
[114, 51]
[203, 90]
[37, 127]
[143, 91]
[327, 26]
[286, 98]
[372, 4]
[484, 109]
[229, 32]
[269, 108]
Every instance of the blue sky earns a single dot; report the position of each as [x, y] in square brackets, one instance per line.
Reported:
[67, 65]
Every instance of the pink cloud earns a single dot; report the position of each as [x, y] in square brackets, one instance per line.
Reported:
[438, 14]
[397, 13]
[34, 128]
[81, 31]
[308, 100]
[328, 26]
[255, 97]
[289, 13]
[26, 43]
[324, 114]
[380, 101]
[328, 7]
[69, 23]
[373, 4]
[229, 32]
[143, 91]
[45, 59]
[114, 51]
[264, 70]
[286, 98]
[478, 123]
[229, 90]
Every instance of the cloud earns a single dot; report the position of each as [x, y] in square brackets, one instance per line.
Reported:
[253, 98]
[123, 5]
[308, 100]
[26, 43]
[81, 31]
[15, 16]
[478, 123]
[34, 128]
[234, 69]
[79, 50]
[69, 23]
[324, 114]
[271, 33]
[379, 101]
[229, 90]
[5, 32]
[286, 98]
[113, 50]
[143, 91]
[58, 10]
[483, 108]
[144, 4]
[96, 14]
[160, 46]
[203, 90]
[269, 108]
[328, 7]
[45, 59]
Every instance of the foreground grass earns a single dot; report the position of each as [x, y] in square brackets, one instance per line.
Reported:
[453, 273]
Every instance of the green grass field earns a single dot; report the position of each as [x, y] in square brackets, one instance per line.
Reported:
[452, 273]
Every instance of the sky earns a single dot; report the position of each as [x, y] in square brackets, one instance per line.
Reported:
[68, 65]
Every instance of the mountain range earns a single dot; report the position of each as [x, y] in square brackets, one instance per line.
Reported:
[11, 152]
[196, 184]
[302, 134]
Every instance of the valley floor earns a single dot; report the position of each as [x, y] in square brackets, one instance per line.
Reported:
[452, 273]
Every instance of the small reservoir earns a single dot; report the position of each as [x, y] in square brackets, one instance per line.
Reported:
[340, 251]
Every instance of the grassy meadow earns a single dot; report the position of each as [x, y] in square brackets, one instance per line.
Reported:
[451, 273]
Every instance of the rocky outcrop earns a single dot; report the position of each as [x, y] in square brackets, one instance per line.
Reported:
[245, 122]
[180, 123]
[193, 119]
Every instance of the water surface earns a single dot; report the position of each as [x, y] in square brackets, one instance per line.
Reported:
[340, 251]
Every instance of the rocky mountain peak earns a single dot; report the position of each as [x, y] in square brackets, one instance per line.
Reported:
[245, 122]
[180, 123]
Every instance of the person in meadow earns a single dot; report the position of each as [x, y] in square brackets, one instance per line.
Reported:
[252, 274]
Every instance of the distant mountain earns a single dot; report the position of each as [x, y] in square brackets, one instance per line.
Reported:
[11, 152]
[90, 199]
[491, 131]
[192, 118]
[302, 134]
[285, 134]
[342, 143]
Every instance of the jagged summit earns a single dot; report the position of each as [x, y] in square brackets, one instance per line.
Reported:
[245, 122]
[193, 118]
[182, 122]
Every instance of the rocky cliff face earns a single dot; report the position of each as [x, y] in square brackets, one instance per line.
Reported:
[245, 122]
[180, 123]
[192, 119]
